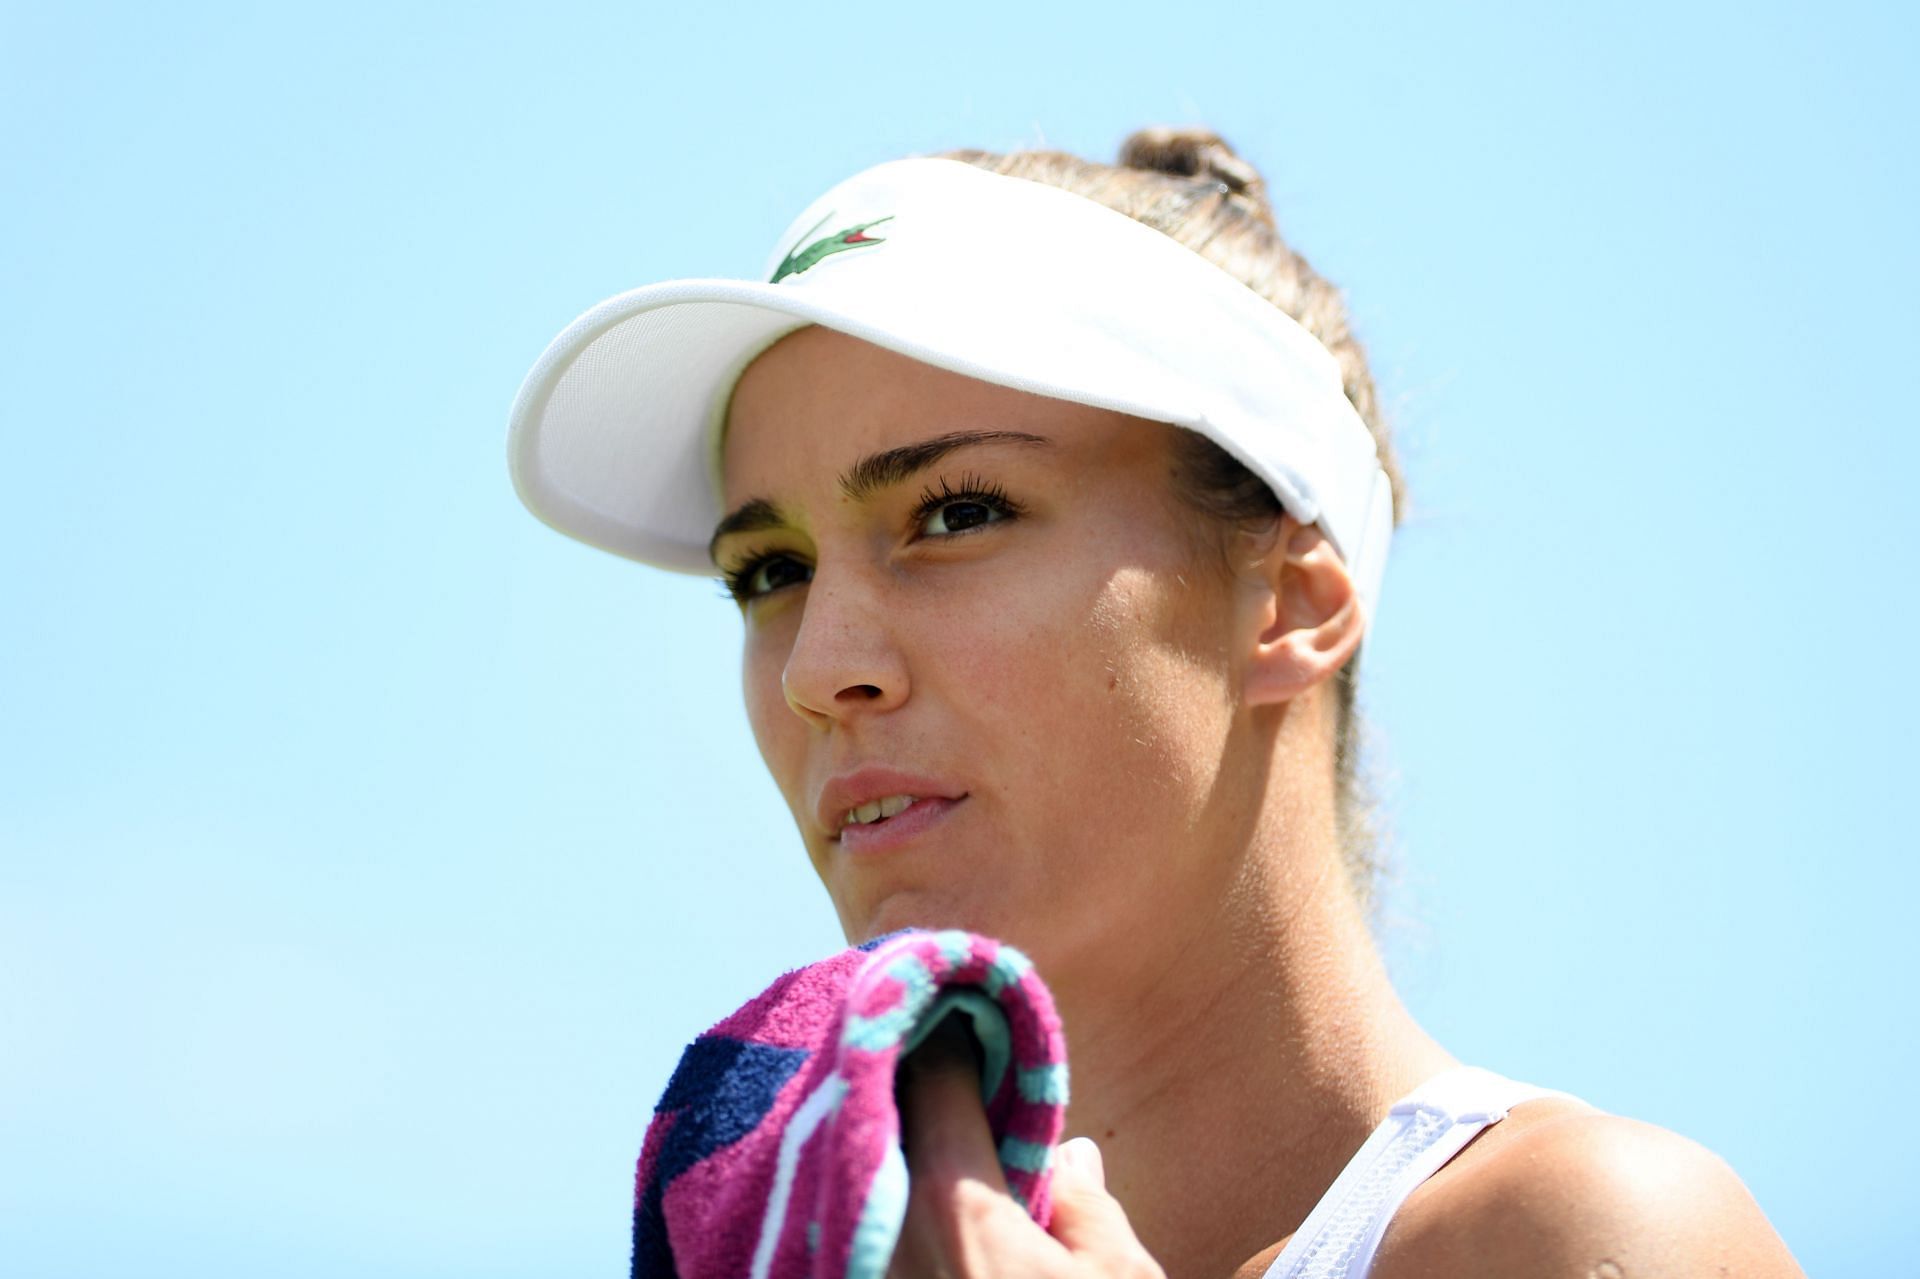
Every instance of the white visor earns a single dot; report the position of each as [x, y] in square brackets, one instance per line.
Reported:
[614, 436]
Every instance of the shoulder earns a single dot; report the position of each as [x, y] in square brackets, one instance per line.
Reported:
[1559, 1188]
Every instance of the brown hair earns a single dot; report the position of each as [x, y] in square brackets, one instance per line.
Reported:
[1190, 185]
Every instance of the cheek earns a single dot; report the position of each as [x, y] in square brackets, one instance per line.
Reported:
[1110, 689]
[1009, 662]
[1165, 707]
[777, 731]
[1135, 714]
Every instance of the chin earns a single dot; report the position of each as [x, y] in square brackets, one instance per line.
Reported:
[920, 909]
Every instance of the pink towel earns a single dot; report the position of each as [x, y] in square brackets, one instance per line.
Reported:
[775, 1151]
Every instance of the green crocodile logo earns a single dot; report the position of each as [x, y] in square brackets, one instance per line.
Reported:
[854, 237]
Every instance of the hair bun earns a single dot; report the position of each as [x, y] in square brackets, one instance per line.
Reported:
[1193, 153]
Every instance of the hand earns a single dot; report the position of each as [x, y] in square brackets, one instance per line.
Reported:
[961, 1222]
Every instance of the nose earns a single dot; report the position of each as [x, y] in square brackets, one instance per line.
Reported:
[845, 661]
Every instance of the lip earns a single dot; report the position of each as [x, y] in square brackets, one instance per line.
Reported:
[875, 782]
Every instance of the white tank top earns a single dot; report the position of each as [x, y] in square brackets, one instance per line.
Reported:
[1424, 1129]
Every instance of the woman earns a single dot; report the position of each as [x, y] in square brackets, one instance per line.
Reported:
[1056, 534]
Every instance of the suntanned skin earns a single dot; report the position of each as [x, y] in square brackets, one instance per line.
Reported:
[1557, 1188]
[1137, 706]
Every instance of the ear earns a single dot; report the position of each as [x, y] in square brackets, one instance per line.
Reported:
[1311, 623]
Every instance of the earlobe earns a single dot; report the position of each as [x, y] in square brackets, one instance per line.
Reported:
[1313, 622]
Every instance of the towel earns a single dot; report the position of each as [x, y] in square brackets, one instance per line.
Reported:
[775, 1151]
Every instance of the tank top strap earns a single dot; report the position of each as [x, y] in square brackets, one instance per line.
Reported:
[1423, 1130]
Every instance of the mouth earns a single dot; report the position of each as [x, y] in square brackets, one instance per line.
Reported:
[879, 810]
[892, 822]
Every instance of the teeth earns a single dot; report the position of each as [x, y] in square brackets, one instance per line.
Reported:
[891, 806]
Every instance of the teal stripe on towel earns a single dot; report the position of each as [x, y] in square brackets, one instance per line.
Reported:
[1009, 966]
[881, 1217]
[877, 1034]
[955, 946]
[881, 1032]
[1027, 1156]
[911, 971]
[1044, 1085]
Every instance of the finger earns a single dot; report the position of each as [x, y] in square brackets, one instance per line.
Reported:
[959, 1193]
[1089, 1221]
[944, 1122]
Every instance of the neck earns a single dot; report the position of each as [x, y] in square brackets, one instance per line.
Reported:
[1229, 1085]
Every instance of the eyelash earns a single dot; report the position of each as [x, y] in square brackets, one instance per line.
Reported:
[971, 488]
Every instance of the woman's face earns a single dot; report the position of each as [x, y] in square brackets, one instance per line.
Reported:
[994, 602]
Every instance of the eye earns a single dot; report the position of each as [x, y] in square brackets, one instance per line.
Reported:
[958, 516]
[958, 510]
[763, 575]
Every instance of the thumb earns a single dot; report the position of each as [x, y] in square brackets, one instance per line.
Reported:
[1088, 1220]
[1081, 1163]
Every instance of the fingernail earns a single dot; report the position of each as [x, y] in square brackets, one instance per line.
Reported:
[1082, 1157]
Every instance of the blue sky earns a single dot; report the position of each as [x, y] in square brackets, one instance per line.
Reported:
[368, 851]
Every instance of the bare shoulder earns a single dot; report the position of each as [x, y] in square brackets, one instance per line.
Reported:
[1559, 1188]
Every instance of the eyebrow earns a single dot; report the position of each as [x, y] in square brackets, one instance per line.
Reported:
[866, 477]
